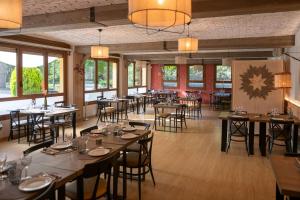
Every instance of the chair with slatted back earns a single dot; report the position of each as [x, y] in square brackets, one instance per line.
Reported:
[280, 134]
[238, 131]
[48, 194]
[105, 111]
[64, 121]
[99, 106]
[179, 117]
[88, 130]
[92, 184]
[17, 124]
[145, 126]
[141, 161]
[46, 144]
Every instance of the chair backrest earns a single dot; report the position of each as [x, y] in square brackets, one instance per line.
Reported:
[238, 125]
[49, 193]
[281, 127]
[37, 119]
[88, 130]
[100, 97]
[95, 170]
[145, 149]
[142, 124]
[14, 118]
[47, 143]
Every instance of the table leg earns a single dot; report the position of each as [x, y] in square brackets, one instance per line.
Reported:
[118, 111]
[279, 196]
[251, 138]
[295, 138]
[262, 138]
[145, 103]
[52, 120]
[124, 175]
[224, 135]
[61, 193]
[74, 124]
[137, 106]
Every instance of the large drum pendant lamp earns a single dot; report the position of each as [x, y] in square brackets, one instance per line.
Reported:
[159, 13]
[10, 14]
[99, 51]
[188, 45]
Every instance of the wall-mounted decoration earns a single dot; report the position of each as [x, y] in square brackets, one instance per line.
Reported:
[257, 82]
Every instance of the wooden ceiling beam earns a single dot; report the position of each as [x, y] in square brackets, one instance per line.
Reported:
[218, 44]
[113, 15]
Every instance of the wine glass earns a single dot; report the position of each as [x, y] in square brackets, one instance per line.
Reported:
[3, 158]
[26, 161]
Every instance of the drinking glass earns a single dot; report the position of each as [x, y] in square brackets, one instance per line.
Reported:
[85, 137]
[15, 172]
[26, 161]
[3, 158]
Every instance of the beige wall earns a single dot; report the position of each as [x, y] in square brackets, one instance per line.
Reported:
[255, 105]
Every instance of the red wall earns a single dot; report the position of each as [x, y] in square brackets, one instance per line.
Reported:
[156, 80]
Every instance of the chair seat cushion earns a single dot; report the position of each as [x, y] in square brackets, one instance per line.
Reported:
[133, 160]
[135, 147]
[89, 183]
[163, 115]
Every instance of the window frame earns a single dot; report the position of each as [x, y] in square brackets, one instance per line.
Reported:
[174, 81]
[141, 77]
[101, 90]
[216, 81]
[20, 49]
[193, 81]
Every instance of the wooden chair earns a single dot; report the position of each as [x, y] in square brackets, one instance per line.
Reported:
[140, 160]
[160, 117]
[280, 134]
[105, 111]
[132, 104]
[238, 131]
[98, 106]
[88, 130]
[179, 117]
[48, 194]
[17, 125]
[91, 185]
[47, 143]
[136, 146]
[64, 121]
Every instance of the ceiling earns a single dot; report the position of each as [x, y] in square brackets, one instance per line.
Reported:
[36, 7]
[241, 26]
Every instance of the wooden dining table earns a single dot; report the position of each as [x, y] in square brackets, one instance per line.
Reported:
[52, 114]
[287, 176]
[262, 120]
[70, 165]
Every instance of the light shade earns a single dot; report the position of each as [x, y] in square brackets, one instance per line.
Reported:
[188, 45]
[159, 13]
[282, 80]
[10, 14]
[99, 52]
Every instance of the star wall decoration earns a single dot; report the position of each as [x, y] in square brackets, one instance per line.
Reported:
[257, 82]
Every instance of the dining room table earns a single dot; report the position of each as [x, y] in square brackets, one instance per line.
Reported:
[262, 120]
[66, 165]
[52, 113]
[286, 170]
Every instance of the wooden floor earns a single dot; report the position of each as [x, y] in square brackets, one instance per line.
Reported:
[190, 165]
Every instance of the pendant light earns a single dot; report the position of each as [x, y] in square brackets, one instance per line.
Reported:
[159, 14]
[10, 14]
[188, 44]
[99, 51]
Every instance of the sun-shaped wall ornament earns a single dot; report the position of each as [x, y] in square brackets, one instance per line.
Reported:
[257, 82]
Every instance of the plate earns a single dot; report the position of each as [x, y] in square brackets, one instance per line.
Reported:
[129, 129]
[98, 152]
[61, 145]
[35, 183]
[129, 136]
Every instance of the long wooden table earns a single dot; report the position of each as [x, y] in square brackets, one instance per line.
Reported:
[70, 165]
[287, 176]
[262, 120]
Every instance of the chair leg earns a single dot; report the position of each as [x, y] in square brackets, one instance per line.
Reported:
[152, 176]
[139, 183]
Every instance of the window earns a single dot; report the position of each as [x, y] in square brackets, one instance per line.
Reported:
[113, 75]
[39, 69]
[195, 76]
[101, 78]
[170, 76]
[102, 74]
[55, 74]
[32, 73]
[8, 73]
[89, 75]
[223, 77]
[137, 75]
